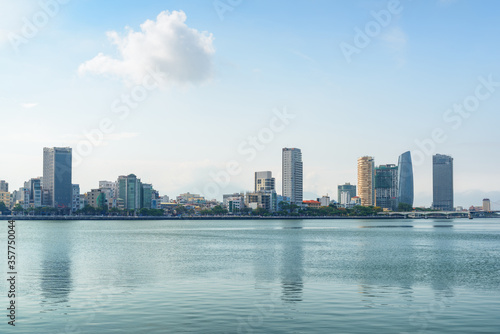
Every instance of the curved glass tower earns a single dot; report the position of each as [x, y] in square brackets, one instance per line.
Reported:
[405, 179]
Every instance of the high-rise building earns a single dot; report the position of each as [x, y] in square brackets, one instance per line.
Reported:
[4, 186]
[349, 190]
[5, 197]
[486, 205]
[292, 174]
[442, 182]
[75, 200]
[129, 192]
[405, 179]
[57, 176]
[35, 187]
[386, 186]
[366, 167]
[264, 181]
[146, 195]
[96, 198]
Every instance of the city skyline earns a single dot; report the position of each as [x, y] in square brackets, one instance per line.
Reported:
[404, 88]
[384, 185]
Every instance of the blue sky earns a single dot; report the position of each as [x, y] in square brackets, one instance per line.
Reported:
[234, 71]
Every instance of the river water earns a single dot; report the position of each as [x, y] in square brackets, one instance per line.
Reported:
[255, 276]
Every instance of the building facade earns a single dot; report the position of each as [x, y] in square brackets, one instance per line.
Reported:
[129, 192]
[292, 174]
[386, 186]
[264, 181]
[75, 200]
[350, 192]
[442, 182]
[4, 186]
[57, 176]
[486, 205]
[366, 172]
[405, 179]
[35, 187]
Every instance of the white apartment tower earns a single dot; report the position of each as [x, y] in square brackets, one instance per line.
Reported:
[292, 174]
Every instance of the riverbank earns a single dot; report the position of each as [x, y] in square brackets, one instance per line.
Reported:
[383, 217]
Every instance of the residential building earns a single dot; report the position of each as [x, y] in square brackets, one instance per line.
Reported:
[405, 179]
[312, 204]
[442, 182]
[4, 186]
[75, 199]
[263, 199]
[324, 200]
[5, 197]
[349, 190]
[264, 181]
[35, 187]
[386, 186]
[57, 176]
[227, 197]
[292, 174]
[235, 204]
[486, 205]
[24, 200]
[189, 198]
[146, 195]
[96, 198]
[129, 192]
[366, 172]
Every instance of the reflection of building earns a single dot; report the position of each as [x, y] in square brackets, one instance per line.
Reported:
[486, 205]
[405, 179]
[55, 274]
[57, 176]
[292, 269]
[442, 182]
[386, 186]
[349, 191]
[292, 178]
[365, 180]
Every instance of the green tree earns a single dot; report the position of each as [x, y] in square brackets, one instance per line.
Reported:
[18, 209]
[3, 207]
[404, 207]
[218, 210]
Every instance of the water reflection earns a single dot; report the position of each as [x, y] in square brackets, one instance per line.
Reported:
[55, 274]
[292, 269]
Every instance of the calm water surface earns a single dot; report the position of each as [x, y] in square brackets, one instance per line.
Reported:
[280, 276]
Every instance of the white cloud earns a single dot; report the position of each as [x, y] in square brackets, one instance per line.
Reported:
[167, 45]
[28, 105]
[396, 40]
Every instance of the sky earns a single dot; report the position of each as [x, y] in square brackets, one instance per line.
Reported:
[198, 95]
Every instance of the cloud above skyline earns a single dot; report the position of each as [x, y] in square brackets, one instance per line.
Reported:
[167, 45]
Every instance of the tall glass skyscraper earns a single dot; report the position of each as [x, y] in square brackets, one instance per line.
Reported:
[57, 177]
[292, 174]
[442, 182]
[405, 179]
[386, 186]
